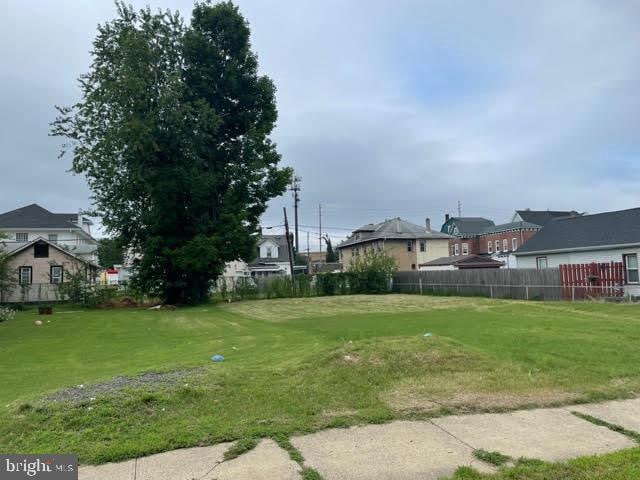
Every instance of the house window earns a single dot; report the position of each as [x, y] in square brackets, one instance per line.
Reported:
[41, 250]
[631, 265]
[410, 246]
[497, 246]
[541, 263]
[456, 249]
[505, 245]
[490, 247]
[22, 237]
[413, 266]
[514, 244]
[56, 274]
[53, 237]
[25, 275]
[269, 252]
[465, 249]
[423, 246]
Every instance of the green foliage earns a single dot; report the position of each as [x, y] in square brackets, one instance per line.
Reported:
[78, 290]
[6, 314]
[172, 134]
[240, 447]
[8, 276]
[372, 272]
[110, 252]
[493, 458]
[331, 256]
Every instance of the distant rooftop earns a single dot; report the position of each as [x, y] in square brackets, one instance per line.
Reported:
[394, 228]
[35, 216]
[586, 231]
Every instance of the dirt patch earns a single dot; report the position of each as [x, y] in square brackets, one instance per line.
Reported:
[88, 393]
[408, 400]
[351, 358]
[276, 310]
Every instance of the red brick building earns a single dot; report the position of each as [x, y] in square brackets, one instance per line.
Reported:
[481, 236]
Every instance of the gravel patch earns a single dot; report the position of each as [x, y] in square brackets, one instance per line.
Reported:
[87, 393]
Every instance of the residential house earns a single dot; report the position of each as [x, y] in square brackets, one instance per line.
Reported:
[464, 232]
[541, 217]
[481, 236]
[461, 262]
[599, 238]
[408, 243]
[39, 267]
[69, 231]
[272, 258]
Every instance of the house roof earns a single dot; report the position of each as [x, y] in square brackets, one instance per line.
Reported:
[466, 260]
[586, 231]
[391, 229]
[505, 227]
[34, 216]
[14, 248]
[542, 217]
[466, 225]
[283, 249]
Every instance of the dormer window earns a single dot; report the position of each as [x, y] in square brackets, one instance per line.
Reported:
[269, 252]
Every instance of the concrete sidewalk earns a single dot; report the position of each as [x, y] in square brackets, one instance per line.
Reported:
[400, 450]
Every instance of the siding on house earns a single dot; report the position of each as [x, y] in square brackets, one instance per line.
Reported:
[435, 248]
[582, 256]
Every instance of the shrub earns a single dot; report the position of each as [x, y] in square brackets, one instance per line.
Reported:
[371, 272]
[6, 314]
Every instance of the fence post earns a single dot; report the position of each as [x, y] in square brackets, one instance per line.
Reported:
[526, 289]
[420, 279]
[491, 290]
[573, 293]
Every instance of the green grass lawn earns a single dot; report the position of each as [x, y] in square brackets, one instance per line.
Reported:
[299, 365]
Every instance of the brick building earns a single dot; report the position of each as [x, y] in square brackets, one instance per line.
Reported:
[481, 236]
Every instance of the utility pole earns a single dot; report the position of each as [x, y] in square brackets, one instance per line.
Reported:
[308, 256]
[295, 188]
[459, 208]
[289, 248]
[320, 225]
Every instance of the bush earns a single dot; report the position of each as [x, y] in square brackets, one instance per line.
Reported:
[6, 314]
[372, 272]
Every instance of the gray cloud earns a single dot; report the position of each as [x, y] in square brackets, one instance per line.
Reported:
[386, 108]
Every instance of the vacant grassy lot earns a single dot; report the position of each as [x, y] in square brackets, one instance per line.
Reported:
[297, 365]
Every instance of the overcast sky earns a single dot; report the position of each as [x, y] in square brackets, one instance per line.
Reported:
[386, 108]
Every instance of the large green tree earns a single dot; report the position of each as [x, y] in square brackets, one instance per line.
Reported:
[172, 134]
[110, 252]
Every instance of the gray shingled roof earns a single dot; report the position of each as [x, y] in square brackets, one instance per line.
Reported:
[588, 231]
[283, 249]
[542, 217]
[393, 229]
[34, 216]
[505, 227]
[467, 260]
[469, 225]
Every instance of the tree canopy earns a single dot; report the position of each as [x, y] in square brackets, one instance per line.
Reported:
[110, 252]
[172, 134]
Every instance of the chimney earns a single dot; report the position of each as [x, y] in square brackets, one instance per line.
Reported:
[446, 217]
[427, 222]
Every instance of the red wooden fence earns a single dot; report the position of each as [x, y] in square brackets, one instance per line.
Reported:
[588, 280]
